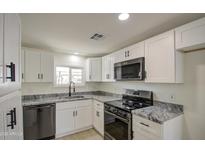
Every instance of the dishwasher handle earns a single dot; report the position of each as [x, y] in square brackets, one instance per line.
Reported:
[39, 106]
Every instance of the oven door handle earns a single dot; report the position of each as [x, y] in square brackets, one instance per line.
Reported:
[116, 116]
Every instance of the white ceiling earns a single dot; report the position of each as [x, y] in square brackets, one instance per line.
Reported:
[71, 33]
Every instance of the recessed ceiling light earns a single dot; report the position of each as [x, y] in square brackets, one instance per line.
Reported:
[123, 16]
[76, 53]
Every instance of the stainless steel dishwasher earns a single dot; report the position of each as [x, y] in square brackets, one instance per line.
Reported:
[39, 122]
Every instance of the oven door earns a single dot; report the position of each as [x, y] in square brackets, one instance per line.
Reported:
[116, 128]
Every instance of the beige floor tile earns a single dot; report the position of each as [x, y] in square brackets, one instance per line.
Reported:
[90, 134]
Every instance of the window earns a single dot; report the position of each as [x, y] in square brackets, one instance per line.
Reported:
[76, 75]
[65, 74]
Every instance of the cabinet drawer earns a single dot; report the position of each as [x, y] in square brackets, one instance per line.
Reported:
[139, 135]
[146, 127]
[83, 103]
[98, 105]
[65, 105]
[73, 104]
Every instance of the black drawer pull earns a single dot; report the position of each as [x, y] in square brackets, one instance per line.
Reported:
[14, 114]
[12, 71]
[11, 113]
[144, 124]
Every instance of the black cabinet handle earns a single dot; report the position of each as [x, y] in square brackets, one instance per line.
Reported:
[41, 76]
[128, 53]
[12, 72]
[14, 114]
[12, 119]
[144, 124]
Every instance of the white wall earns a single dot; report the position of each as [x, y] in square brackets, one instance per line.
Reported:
[46, 88]
[191, 94]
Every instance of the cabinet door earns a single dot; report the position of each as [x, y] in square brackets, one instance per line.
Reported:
[1, 122]
[100, 113]
[47, 67]
[98, 117]
[120, 56]
[135, 51]
[13, 104]
[22, 65]
[1, 49]
[12, 45]
[95, 119]
[32, 66]
[191, 36]
[65, 121]
[108, 68]
[88, 70]
[83, 117]
[160, 58]
[105, 68]
[96, 69]
[112, 62]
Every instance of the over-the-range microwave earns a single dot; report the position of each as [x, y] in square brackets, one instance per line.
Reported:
[130, 70]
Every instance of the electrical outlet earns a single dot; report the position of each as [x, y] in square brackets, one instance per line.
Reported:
[172, 97]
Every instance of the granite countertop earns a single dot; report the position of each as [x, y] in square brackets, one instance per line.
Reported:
[160, 112]
[59, 99]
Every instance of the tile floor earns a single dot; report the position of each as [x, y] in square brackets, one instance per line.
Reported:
[90, 134]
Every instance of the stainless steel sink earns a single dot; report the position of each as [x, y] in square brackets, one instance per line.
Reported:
[74, 97]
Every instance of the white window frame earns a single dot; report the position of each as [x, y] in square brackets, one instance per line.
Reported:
[70, 67]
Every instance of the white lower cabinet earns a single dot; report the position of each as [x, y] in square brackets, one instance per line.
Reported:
[98, 116]
[11, 118]
[65, 121]
[83, 117]
[73, 116]
[144, 129]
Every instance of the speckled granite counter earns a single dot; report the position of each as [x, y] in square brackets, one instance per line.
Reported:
[59, 98]
[160, 112]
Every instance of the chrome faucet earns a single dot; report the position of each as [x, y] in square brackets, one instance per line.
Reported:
[70, 84]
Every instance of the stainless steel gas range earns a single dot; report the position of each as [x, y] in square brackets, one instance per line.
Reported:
[118, 114]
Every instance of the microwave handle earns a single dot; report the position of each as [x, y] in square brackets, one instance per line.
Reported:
[140, 74]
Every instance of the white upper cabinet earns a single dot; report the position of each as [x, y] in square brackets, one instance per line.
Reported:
[191, 36]
[94, 69]
[163, 64]
[47, 67]
[32, 66]
[108, 68]
[39, 66]
[12, 50]
[131, 52]
[10, 44]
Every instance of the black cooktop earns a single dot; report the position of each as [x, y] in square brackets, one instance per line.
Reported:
[136, 100]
